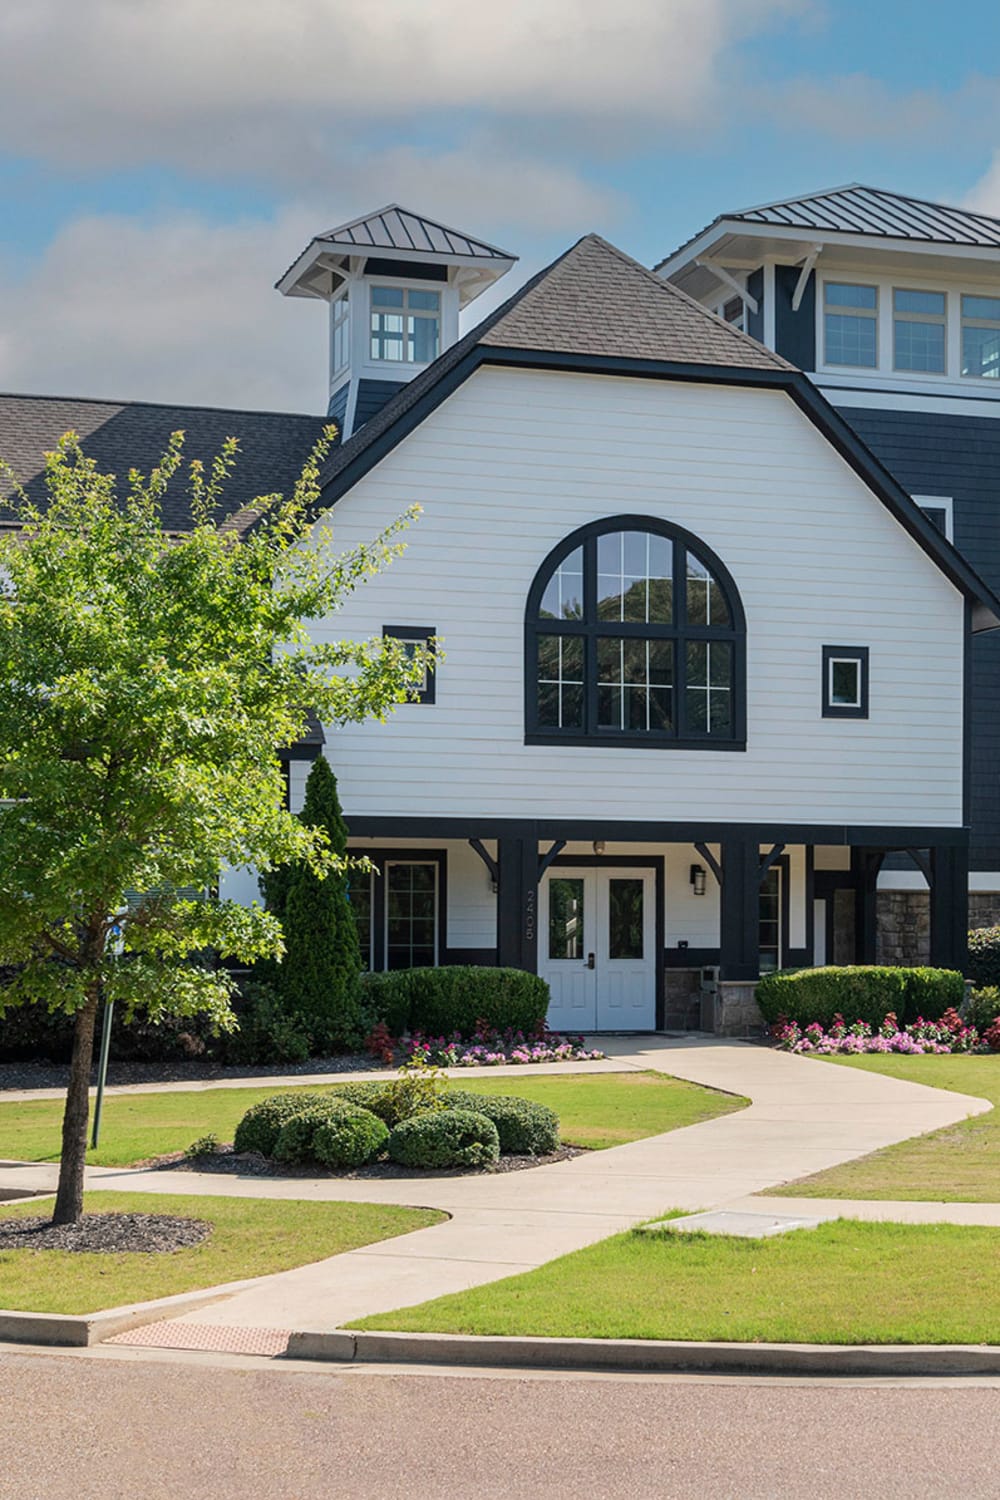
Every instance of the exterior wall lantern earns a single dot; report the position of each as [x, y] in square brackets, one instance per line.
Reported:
[599, 846]
[698, 880]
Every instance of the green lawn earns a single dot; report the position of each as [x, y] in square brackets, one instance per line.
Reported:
[250, 1237]
[960, 1164]
[845, 1282]
[597, 1109]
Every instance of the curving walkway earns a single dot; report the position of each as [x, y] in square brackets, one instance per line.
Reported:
[803, 1118]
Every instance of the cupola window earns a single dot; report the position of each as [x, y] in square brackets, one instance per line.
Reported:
[405, 325]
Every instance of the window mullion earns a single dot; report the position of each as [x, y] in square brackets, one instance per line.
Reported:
[590, 637]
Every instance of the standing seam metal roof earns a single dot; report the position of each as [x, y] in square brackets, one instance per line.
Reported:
[396, 228]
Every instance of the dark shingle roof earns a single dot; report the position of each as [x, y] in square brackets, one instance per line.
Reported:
[396, 228]
[856, 209]
[594, 299]
[134, 434]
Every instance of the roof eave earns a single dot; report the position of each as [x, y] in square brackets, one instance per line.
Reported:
[724, 226]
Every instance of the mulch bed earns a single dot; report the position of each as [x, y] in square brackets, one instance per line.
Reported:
[250, 1164]
[105, 1234]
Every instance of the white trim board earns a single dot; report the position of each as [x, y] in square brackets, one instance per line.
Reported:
[980, 881]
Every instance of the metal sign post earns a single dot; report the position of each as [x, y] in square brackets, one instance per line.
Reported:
[102, 1072]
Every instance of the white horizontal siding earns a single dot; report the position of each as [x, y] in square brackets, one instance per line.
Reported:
[512, 462]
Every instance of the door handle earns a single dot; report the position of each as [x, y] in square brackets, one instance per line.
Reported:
[591, 961]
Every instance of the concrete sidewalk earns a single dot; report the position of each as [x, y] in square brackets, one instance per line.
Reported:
[805, 1116]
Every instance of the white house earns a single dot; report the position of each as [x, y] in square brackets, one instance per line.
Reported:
[705, 663]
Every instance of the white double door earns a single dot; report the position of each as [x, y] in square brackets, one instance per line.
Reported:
[597, 947]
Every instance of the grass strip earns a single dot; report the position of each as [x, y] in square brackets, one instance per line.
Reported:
[596, 1110]
[250, 1237]
[958, 1164]
[846, 1282]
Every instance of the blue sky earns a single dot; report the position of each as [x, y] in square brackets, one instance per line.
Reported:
[165, 161]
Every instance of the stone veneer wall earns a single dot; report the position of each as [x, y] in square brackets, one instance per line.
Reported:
[984, 909]
[904, 927]
[683, 999]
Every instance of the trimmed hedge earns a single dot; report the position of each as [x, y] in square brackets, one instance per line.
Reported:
[984, 956]
[355, 1138]
[524, 1127]
[859, 993]
[262, 1124]
[294, 1143]
[440, 1002]
[445, 1138]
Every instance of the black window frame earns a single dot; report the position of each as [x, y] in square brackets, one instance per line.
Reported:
[679, 631]
[382, 856]
[422, 635]
[857, 654]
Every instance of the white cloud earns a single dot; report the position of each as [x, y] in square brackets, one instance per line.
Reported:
[984, 197]
[286, 88]
[853, 107]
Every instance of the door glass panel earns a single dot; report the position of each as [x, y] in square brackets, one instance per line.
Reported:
[770, 921]
[566, 934]
[410, 915]
[625, 918]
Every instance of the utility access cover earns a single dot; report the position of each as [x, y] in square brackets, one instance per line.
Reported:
[720, 1221]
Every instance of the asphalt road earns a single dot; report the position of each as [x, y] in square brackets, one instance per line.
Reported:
[82, 1426]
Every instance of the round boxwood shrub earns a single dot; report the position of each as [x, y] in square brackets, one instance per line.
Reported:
[368, 1094]
[860, 992]
[349, 1140]
[294, 1143]
[524, 1127]
[261, 1125]
[445, 1138]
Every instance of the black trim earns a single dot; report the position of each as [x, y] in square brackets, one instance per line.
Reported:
[806, 396]
[422, 635]
[404, 270]
[679, 633]
[617, 830]
[382, 856]
[657, 863]
[833, 710]
[483, 958]
[487, 858]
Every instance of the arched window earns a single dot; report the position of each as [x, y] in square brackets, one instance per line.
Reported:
[635, 635]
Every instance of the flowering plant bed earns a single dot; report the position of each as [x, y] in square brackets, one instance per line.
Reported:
[486, 1048]
[949, 1035]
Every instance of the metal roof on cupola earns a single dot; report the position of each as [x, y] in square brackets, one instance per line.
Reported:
[394, 234]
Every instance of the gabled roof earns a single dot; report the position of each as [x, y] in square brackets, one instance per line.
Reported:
[396, 228]
[856, 209]
[134, 434]
[596, 310]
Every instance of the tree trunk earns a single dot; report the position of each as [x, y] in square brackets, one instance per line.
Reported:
[69, 1195]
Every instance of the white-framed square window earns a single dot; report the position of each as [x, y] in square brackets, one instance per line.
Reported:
[845, 682]
[412, 636]
[405, 325]
[939, 510]
[919, 330]
[850, 325]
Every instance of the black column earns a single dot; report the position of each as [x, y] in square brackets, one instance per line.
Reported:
[517, 900]
[739, 956]
[865, 865]
[950, 909]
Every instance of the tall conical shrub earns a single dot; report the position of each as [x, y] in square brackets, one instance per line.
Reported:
[317, 981]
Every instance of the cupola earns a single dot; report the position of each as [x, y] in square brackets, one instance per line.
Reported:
[395, 283]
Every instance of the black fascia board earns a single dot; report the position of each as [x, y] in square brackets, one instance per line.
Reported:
[810, 401]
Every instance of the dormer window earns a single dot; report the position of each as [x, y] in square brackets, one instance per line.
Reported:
[981, 336]
[849, 319]
[405, 325]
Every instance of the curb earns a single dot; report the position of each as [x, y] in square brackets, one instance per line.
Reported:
[650, 1355]
[83, 1330]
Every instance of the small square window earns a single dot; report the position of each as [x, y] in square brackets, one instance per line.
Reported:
[845, 682]
[413, 636]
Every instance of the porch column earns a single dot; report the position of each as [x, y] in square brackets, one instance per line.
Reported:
[517, 901]
[739, 956]
[865, 865]
[950, 908]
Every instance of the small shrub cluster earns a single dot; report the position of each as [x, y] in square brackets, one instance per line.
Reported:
[524, 1127]
[453, 999]
[984, 956]
[982, 1007]
[949, 1034]
[445, 1138]
[868, 992]
[302, 1128]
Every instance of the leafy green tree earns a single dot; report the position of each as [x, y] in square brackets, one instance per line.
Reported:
[145, 681]
[317, 981]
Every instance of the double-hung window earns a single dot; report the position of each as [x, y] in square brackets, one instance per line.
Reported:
[340, 335]
[850, 325]
[981, 336]
[405, 325]
[918, 327]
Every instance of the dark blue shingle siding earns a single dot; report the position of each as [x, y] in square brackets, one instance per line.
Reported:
[938, 454]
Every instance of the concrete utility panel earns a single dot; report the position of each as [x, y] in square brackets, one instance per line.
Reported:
[746, 1226]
